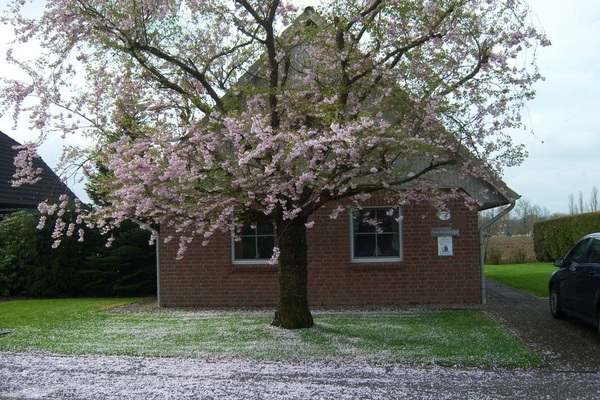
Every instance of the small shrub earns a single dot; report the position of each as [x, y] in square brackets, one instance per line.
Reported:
[518, 256]
[493, 256]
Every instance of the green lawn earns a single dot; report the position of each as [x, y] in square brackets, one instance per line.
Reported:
[532, 278]
[89, 326]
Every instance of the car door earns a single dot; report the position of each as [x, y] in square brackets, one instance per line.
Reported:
[574, 267]
[588, 282]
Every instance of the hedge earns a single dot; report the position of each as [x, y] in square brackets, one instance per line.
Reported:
[554, 238]
[30, 267]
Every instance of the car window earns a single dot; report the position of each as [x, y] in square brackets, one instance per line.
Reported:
[578, 253]
[594, 251]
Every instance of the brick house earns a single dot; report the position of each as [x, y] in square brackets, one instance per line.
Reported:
[12, 199]
[437, 260]
[426, 258]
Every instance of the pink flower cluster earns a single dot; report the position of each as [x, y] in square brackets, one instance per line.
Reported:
[26, 172]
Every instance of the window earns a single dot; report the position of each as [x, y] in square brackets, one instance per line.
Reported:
[578, 253]
[255, 242]
[376, 234]
[595, 252]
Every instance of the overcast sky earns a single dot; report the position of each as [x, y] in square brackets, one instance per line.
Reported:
[564, 154]
[564, 148]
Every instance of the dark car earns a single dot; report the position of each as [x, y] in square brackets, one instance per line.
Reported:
[575, 287]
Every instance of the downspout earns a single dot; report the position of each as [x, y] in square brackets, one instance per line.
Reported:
[482, 228]
[156, 235]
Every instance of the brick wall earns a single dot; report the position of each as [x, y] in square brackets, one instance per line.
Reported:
[207, 277]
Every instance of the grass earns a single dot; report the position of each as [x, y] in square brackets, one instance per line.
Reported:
[465, 338]
[532, 277]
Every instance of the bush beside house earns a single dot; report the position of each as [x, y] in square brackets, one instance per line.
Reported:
[30, 266]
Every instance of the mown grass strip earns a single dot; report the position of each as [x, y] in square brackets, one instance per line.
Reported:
[87, 326]
[532, 277]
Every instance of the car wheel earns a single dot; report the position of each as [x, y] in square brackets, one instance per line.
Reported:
[555, 306]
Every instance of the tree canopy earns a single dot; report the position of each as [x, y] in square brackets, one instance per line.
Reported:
[201, 108]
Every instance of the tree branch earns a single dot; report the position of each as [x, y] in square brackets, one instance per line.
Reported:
[191, 70]
[267, 24]
[481, 61]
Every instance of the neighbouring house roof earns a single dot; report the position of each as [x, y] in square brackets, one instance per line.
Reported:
[49, 187]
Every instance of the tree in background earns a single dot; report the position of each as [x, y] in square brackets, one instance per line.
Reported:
[519, 221]
[528, 215]
[581, 206]
[594, 199]
[238, 117]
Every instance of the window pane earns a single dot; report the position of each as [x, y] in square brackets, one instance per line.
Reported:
[364, 246]
[364, 221]
[255, 241]
[388, 223]
[387, 245]
[376, 233]
[364, 227]
[265, 246]
[578, 252]
[595, 252]
[248, 230]
[245, 248]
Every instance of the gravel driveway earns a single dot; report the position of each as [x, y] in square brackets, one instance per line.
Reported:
[564, 345]
[570, 350]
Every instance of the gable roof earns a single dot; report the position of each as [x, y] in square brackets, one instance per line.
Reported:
[49, 187]
[488, 193]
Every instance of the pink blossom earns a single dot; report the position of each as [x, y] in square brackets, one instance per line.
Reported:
[275, 257]
[25, 172]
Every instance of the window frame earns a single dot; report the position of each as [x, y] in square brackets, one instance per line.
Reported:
[381, 258]
[253, 261]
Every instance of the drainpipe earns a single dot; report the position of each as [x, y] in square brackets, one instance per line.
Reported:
[482, 228]
[156, 235]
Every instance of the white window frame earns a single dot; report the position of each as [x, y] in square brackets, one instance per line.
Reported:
[381, 258]
[234, 242]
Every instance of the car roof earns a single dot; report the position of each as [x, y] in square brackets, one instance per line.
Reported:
[595, 235]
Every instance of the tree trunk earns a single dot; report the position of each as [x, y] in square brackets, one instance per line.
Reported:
[292, 311]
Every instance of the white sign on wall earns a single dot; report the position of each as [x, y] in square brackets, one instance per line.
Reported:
[445, 246]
